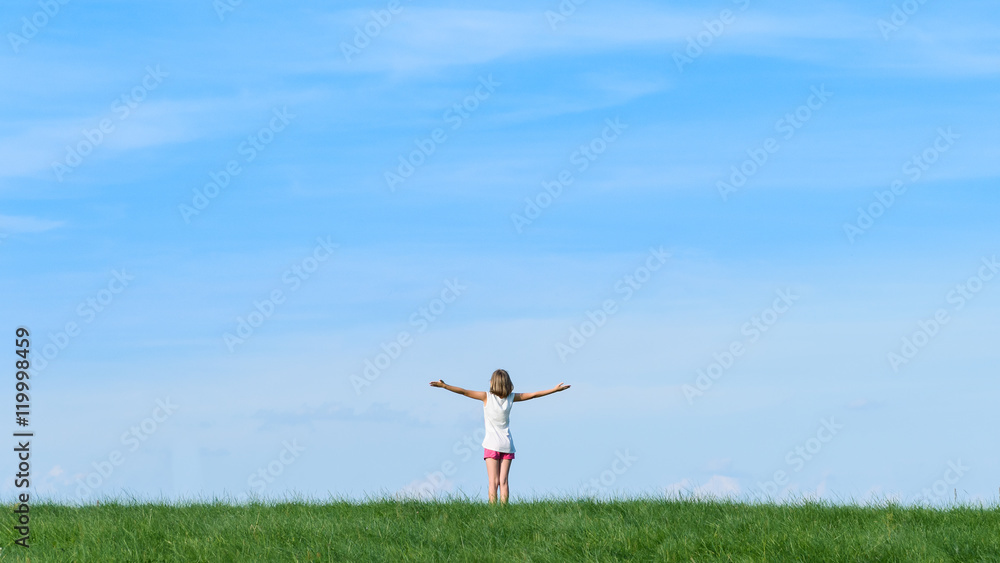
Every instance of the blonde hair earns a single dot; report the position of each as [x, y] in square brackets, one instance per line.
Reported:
[500, 384]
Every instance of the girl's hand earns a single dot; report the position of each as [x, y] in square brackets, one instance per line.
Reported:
[561, 387]
[438, 383]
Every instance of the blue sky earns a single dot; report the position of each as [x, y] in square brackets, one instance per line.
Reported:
[144, 393]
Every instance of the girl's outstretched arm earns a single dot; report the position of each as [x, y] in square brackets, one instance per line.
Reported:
[537, 394]
[478, 395]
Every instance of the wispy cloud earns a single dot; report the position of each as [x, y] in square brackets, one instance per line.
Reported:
[717, 486]
[38, 144]
[26, 224]
[424, 39]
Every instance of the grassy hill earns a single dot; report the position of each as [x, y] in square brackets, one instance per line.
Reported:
[545, 530]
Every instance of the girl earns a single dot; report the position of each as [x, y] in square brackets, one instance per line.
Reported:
[498, 447]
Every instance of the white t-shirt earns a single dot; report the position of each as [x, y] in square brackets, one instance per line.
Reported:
[496, 411]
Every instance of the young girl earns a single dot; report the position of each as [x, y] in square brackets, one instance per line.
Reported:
[498, 447]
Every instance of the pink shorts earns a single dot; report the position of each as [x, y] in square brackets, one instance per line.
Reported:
[490, 454]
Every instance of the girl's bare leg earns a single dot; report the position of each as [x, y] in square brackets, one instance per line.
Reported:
[493, 472]
[504, 470]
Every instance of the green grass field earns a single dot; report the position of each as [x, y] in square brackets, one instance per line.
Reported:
[543, 530]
